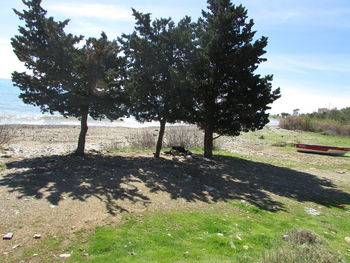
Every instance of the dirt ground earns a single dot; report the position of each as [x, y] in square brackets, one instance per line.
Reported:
[46, 191]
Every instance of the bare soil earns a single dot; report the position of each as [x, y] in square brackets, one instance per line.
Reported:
[45, 190]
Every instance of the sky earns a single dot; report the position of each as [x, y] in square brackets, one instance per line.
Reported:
[308, 51]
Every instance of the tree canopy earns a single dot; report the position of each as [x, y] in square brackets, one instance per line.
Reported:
[229, 96]
[156, 66]
[64, 78]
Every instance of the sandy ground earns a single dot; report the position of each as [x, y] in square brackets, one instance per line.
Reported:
[46, 191]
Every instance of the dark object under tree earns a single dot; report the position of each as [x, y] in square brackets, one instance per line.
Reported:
[63, 78]
[230, 97]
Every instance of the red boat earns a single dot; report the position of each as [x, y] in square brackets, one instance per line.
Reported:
[322, 149]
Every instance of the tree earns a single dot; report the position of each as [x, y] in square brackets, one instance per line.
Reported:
[229, 97]
[296, 112]
[156, 64]
[64, 78]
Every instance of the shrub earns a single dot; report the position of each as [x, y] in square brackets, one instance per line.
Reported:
[185, 136]
[305, 123]
[5, 135]
[292, 253]
[304, 236]
[142, 139]
[303, 246]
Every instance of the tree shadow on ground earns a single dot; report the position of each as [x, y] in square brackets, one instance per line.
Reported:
[115, 179]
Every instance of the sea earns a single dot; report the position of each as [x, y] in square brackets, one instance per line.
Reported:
[14, 111]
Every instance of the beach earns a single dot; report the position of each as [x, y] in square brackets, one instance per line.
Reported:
[41, 140]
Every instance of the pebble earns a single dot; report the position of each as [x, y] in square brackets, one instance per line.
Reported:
[35, 255]
[210, 188]
[16, 246]
[347, 239]
[312, 211]
[132, 253]
[232, 245]
[37, 236]
[220, 234]
[8, 236]
[189, 157]
[286, 237]
[64, 255]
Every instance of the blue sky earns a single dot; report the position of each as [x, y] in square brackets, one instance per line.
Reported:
[308, 51]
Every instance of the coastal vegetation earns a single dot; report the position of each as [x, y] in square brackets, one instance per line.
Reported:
[331, 122]
[200, 72]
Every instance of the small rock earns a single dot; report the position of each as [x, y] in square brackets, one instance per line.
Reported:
[312, 211]
[232, 245]
[210, 188]
[286, 237]
[35, 255]
[53, 206]
[341, 172]
[64, 255]
[220, 234]
[132, 253]
[86, 255]
[189, 157]
[186, 252]
[16, 246]
[8, 236]
[347, 239]
[246, 247]
[37, 236]
[169, 234]
[238, 237]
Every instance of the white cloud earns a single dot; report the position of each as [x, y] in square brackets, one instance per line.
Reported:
[305, 63]
[297, 96]
[102, 11]
[9, 61]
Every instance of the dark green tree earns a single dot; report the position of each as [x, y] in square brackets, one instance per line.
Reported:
[156, 66]
[64, 78]
[230, 97]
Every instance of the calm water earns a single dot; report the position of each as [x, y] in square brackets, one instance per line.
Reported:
[14, 111]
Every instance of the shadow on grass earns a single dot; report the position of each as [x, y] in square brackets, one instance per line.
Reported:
[115, 179]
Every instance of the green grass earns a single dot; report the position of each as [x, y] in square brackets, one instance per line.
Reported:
[214, 234]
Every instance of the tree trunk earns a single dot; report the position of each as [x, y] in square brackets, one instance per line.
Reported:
[208, 142]
[83, 130]
[160, 139]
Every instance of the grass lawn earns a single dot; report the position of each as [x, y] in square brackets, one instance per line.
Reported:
[232, 232]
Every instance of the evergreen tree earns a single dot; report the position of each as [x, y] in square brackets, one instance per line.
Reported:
[63, 78]
[229, 96]
[156, 64]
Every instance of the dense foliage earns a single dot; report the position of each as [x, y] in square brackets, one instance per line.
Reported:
[201, 73]
[156, 66]
[229, 96]
[333, 122]
[64, 78]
